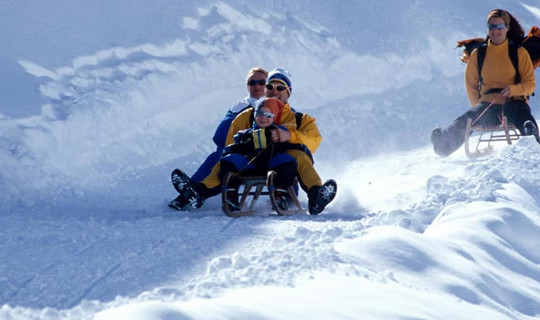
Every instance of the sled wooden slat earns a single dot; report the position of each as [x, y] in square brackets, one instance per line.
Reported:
[254, 187]
[487, 135]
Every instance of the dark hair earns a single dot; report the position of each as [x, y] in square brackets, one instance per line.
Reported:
[515, 31]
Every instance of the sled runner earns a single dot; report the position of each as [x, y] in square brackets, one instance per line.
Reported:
[488, 135]
[254, 187]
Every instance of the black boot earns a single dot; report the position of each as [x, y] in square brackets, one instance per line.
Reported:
[529, 129]
[231, 200]
[320, 196]
[178, 203]
[188, 198]
[445, 142]
[438, 142]
[282, 198]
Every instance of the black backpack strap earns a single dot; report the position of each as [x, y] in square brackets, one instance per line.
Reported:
[513, 53]
[481, 55]
[298, 116]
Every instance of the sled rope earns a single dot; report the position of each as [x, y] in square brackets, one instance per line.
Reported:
[271, 145]
[485, 110]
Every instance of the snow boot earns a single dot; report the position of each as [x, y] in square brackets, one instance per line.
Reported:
[231, 200]
[188, 198]
[282, 198]
[178, 203]
[320, 196]
[445, 142]
[529, 129]
[439, 145]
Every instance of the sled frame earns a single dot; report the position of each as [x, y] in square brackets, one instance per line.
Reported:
[487, 135]
[251, 188]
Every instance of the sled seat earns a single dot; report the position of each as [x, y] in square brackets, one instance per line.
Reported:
[487, 135]
[251, 188]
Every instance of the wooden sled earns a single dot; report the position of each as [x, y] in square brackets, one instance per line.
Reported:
[254, 187]
[488, 135]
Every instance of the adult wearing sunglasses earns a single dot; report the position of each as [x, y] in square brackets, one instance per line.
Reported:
[497, 88]
[306, 134]
[255, 84]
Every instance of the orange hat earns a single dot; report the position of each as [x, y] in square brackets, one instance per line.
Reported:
[274, 105]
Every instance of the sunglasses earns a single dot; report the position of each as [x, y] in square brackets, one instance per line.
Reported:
[278, 87]
[261, 82]
[496, 26]
[261, 113]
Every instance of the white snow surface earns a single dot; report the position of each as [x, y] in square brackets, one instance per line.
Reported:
[126, 92]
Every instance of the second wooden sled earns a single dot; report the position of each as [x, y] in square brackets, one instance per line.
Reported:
[253, 187]
[488, 135]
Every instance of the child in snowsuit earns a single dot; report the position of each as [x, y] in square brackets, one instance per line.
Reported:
[254, 153]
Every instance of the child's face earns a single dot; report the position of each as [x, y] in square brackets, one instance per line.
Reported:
[264, 117]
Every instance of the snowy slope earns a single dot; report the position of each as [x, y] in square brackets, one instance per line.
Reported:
[138, 91]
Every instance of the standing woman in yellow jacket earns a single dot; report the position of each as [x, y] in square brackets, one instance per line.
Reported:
[499, 88]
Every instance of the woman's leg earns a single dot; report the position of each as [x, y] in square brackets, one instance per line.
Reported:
[446, 141]
[518, 113]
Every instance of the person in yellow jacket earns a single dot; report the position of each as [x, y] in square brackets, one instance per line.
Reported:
[494, 84]
[319, 194]
[301, 129]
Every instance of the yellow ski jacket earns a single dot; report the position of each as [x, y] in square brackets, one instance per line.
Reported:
[499, 72]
